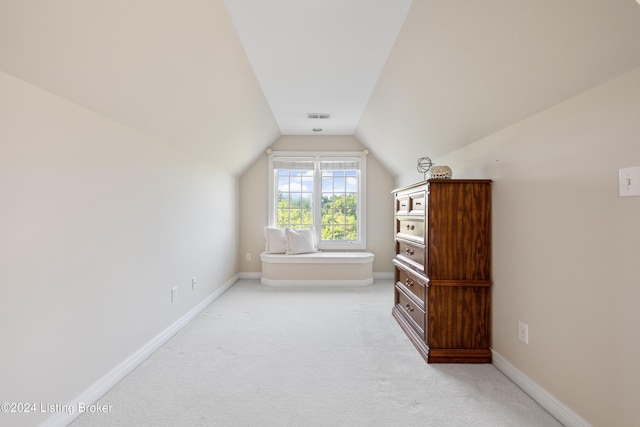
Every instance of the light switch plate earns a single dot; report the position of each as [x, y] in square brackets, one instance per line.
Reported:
[629, 181]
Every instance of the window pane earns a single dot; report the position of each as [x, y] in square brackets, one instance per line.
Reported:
[294, 218]
[352, 184]
[352, 216]
[283, 200]
[283, 182]
[295, 200]
[327, 183]
[306, 200]
[338, 217]
[326, 233]
[306, 218]
[351, 201]
[339, 204]
[295, 183]
[327, 201]
[307, 184]
[283, 218]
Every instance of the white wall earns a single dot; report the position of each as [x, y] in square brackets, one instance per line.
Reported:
[566, 248]
[97, 223]
[254, 197]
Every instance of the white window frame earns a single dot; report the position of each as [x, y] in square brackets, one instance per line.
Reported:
[317, 156]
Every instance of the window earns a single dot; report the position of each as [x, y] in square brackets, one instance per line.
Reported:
[324, 191]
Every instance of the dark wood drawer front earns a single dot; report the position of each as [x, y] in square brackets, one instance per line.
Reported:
[412, 310]
[413, 283]
[412, 253]
[410, 228]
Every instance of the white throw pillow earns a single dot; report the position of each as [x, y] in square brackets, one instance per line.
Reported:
[301, 241]
[276, 240]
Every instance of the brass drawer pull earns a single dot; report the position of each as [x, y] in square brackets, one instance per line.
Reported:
[409, 251]
[411, 227]
[408, 282]
[408, 308]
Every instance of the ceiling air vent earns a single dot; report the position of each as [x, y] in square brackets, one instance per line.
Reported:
[318, 116]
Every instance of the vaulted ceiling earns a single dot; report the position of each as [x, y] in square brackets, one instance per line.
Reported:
[318, 56]
[191, 74]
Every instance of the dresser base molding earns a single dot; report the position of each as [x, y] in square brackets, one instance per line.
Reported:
[438, 355]
[462, 355]
[408, 328]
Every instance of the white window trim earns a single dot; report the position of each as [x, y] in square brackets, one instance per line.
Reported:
[317, 155]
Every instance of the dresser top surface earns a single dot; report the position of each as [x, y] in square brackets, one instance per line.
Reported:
[442, 181]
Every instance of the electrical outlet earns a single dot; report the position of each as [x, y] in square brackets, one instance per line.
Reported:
[247, 256]
[194, 283]
[523, 332]
[174, 294]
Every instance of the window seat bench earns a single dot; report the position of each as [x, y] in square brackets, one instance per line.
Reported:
[317, 269]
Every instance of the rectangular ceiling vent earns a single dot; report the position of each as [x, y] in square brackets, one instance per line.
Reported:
[318, 116]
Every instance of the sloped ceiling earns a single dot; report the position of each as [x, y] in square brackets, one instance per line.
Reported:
[177, 70]
[462, 70]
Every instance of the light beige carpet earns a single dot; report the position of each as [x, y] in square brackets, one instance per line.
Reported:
[276, 357]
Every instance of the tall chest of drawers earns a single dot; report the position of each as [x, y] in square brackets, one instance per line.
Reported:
[443, 269]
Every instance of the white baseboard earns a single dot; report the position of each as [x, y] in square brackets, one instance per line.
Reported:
[545, 399]
[113, 377]
[250, 275]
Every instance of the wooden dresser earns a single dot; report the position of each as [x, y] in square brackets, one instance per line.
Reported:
[443, 268]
